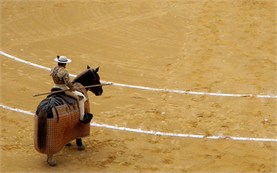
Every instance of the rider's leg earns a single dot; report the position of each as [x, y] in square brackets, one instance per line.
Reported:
[81, 103]
[85, 117]
[82, 109]
[88, 115]
[81, 99]
[71, 94]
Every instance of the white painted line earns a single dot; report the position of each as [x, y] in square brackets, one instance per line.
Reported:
[16, 110]
[159, 133]
[153, 89]
[23, 61]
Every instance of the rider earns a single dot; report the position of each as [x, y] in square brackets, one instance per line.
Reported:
[62, 81]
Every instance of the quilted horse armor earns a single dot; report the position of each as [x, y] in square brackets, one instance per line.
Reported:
[57, 123]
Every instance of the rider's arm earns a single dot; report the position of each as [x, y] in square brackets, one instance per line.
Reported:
[63, 74]
[68, 82]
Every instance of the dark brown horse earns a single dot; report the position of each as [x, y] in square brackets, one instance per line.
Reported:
[57, 120]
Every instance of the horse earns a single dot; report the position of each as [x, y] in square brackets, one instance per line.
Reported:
[57, 116]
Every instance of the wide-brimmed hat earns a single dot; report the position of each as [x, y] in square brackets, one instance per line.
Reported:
[62, 59]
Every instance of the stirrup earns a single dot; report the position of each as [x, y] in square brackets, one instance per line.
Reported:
[87, 118]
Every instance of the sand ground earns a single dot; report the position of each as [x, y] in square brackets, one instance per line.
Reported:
[210, 46]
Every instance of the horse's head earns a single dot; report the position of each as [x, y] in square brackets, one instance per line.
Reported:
[95, 80]
[90, 77]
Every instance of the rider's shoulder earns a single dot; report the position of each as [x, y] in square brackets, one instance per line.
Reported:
[62, 71]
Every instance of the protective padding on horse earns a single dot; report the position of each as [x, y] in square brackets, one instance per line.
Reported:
[61, 130]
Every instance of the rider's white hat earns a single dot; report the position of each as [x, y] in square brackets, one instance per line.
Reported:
[62, 59]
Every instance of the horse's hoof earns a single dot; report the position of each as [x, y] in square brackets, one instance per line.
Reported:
[81, 147]
[51, 162]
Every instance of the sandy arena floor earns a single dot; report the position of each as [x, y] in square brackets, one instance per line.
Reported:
[195, 45]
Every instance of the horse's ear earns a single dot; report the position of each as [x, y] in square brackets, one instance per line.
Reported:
[97, 69]
[88, 67]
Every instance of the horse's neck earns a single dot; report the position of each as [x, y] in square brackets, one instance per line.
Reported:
[82, 79]
[80, 87]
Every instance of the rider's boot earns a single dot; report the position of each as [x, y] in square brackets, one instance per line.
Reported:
[87, 116]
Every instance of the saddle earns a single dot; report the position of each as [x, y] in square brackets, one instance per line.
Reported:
[50, 103]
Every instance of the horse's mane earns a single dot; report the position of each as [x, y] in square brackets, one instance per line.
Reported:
[81, 76]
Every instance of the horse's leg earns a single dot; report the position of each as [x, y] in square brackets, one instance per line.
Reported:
[80, 144]
[68, 144]
[51, 161]
[79, 140]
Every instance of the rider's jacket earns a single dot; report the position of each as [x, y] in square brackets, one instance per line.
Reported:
[60, 76]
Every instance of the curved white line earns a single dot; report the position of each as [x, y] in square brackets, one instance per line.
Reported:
[158, 133]
[23, 61]
[153, 89]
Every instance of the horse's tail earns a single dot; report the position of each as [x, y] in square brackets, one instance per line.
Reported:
[42, 129]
